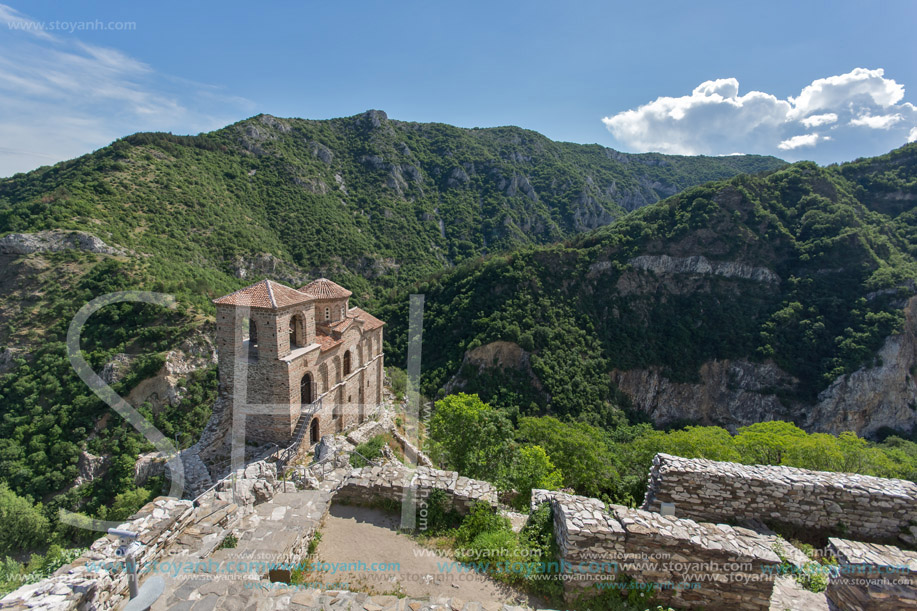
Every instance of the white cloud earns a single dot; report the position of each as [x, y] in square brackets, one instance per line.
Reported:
[715, 119]
[61, 97]
[816, 120]
[877, 122]
[912, 137]
[797, 141]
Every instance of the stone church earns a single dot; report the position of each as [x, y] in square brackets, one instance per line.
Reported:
[297, 362]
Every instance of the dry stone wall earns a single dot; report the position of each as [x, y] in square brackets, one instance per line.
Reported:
[716, 567]
[372, 484]
[869, 508]
[872, 577]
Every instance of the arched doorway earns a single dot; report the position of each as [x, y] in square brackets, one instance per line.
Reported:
[314, 436]
[305, 390]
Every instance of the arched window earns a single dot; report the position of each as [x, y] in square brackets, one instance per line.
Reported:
[347, 363]
[343, 315]
[327, 313]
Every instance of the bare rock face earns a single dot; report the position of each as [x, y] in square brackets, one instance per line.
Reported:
[90, 467]
[165, 387]
[115, 370]
[738, 393]
[730, 394]
[871, 398]
[6, 360]
[495, 354]
[664, 264]
[54, 241]
[150, 464]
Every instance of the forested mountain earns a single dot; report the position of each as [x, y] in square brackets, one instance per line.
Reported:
[372, 203]
[755, 298]
[367, 198]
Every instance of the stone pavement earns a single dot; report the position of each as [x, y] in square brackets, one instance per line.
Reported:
[199, 576]
[790, 596]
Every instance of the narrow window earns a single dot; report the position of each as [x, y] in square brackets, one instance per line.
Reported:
[347, 363]
[327, 313]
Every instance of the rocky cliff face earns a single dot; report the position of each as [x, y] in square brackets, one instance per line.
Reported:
[54, 241]
[738, 393]
[873, 398]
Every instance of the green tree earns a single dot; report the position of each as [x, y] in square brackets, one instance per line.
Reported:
[579, 450]
[766, 443]
[471, 437]
[24, 524]
[533, 469]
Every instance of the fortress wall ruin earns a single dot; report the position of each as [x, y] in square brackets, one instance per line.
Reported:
[690, 565]
[863, 507]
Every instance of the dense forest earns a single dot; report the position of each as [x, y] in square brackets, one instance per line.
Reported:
[813, 275]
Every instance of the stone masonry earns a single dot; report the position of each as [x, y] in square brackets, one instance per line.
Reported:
[286, 354]
[869, 508]
[872, 577]
[690, 565]
[372, 484]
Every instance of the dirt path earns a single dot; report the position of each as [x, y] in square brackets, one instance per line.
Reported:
[403, 568]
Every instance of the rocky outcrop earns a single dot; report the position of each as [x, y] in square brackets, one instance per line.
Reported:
[664, 264]
[118, 367]
[6, 360]
[150, 464]
[165, 387]
[505, 355]
[266, 264]
[90, 467]
[873, 398]
[738, 393]
[730, 394]
[54, 240]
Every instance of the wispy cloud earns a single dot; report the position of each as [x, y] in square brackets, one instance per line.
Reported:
[61, 97]
[847, 110]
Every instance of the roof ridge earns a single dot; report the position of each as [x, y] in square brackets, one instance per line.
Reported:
[270, 291]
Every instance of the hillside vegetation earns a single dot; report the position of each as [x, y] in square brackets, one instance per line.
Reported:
[370, 202]
[803, 267]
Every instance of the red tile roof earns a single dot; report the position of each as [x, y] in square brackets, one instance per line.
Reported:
[325, 289]
[326, 342]
[264, 294]
[370, 322]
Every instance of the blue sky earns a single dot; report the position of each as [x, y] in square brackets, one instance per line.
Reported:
[828, 81]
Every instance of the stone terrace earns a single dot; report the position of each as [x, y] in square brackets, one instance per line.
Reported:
[724, 567]
[870, 508]
[873, 577]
